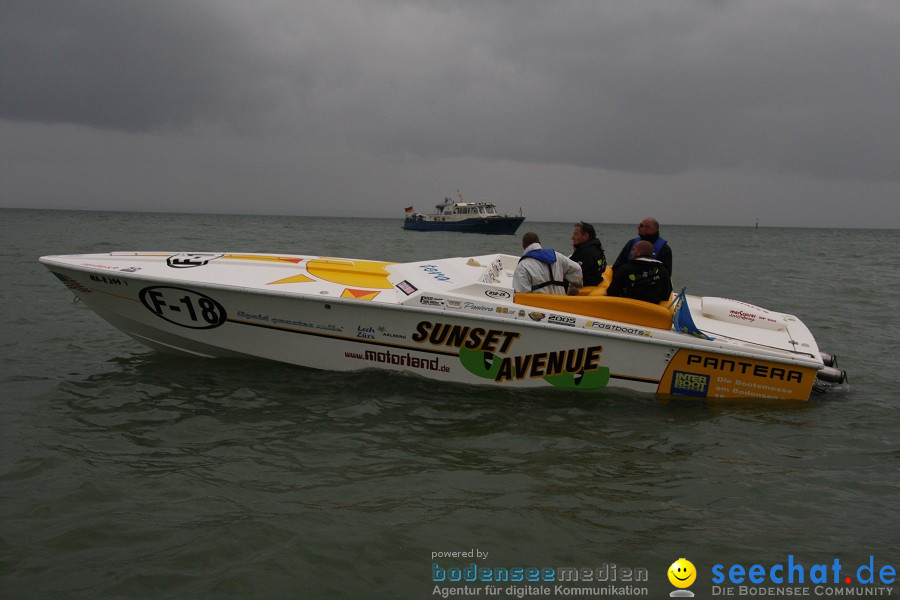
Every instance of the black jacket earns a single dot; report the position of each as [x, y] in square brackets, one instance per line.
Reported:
[641, 279]
[664, 256]
[592, 259]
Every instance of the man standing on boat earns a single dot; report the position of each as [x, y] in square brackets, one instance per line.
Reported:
[588, 253]
[545, 271]
[642, 278]
[648, 230]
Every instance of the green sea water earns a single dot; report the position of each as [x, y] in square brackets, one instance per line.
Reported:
[125, 473]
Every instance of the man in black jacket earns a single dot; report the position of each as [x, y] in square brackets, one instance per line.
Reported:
[642, 278]
[588, 253]
[648, 229]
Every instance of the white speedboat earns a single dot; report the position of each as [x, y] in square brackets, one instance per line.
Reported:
[453, 319]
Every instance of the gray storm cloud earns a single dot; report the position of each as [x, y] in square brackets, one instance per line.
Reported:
[634, 86]
[395, 89]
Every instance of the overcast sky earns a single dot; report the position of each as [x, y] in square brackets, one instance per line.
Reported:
[694, 111]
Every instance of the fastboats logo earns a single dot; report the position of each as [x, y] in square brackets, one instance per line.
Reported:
[827, 579]
[619, 328]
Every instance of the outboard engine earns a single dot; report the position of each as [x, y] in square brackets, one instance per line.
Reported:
[830, 374]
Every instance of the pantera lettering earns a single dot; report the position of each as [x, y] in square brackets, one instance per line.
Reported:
[744, 368]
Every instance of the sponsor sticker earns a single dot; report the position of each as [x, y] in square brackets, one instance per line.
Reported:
[108, 280]
[561, 320]
[407, 288]
[187, 260]
[435, 272]
[689, 384]
[697, 373]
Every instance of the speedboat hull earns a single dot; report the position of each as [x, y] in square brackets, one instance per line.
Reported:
[453, 320]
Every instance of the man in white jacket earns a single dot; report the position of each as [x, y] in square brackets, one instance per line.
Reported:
[545, 271]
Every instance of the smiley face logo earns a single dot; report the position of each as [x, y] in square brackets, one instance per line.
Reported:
[682, 573]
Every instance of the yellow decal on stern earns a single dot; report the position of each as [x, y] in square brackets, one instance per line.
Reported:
[707, 375]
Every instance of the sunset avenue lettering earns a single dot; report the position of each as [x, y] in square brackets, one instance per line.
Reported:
[463, 336]
[744, 368]
[542, 364]
[489, 346]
